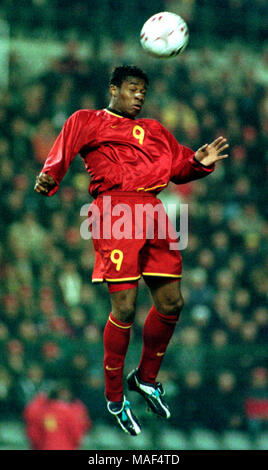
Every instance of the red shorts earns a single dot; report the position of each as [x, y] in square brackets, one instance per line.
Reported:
[132, 237]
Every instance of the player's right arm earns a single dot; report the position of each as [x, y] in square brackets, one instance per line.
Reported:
[73, 136]
[44, 183]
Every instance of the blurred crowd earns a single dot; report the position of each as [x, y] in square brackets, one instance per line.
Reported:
[58, 18]
[52, 317]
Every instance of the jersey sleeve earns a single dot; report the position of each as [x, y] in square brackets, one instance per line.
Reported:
[73, 136]
[185, 167]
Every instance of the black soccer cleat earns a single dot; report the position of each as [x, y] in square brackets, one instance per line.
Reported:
[151, 392]
[125, 416]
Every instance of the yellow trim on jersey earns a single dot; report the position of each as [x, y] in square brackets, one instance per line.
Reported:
[119, 326]
[116, 280]
[136, 278]
[113, 114]
[153, 187]
[162, 274]
[113, 368]
[124, 279]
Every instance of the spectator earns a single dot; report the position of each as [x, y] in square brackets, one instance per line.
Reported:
[261, 319]
[6, 389]
[256, 401]
[54, 421]
[70, 283]
[226, 406]
[191, 404]
[29, 385]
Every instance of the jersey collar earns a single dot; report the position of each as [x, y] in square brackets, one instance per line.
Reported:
[118, 113]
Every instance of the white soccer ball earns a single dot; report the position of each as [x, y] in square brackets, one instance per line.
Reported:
[164, 35]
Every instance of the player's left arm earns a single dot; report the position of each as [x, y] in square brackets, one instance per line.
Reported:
[212, 153]
[188, 165]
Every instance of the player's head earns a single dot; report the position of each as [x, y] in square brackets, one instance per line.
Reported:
[121, 73]
[128, 86]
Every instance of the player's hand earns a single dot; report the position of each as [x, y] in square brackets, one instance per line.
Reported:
[212, 153]
[44, 183]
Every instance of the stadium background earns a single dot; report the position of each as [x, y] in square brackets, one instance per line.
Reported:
[56, 57]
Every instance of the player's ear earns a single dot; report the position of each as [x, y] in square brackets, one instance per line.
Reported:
[113, 90]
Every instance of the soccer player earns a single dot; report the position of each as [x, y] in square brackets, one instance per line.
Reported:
[130, 161]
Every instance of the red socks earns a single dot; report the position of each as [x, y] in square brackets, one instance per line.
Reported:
[116, 340]
[157, 332]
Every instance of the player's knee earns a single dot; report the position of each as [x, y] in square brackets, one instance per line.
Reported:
[124, 305]
[172, 306]
[179, 305]
[125, 313]
[124, 309]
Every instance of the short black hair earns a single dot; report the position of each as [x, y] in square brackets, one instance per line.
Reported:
[120, 74]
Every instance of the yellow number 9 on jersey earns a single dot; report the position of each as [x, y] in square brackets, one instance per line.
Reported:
[138, 133]
[117, 258]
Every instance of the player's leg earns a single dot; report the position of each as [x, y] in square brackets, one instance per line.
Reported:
[117, 262]
[123, 299]
[162, 269]
[159, 325]
[116, 339]
[158, 329]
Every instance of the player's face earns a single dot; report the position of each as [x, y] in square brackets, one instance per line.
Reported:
[130, 97]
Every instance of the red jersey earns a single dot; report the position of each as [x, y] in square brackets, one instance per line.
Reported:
[122, 153]
[55, 424]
